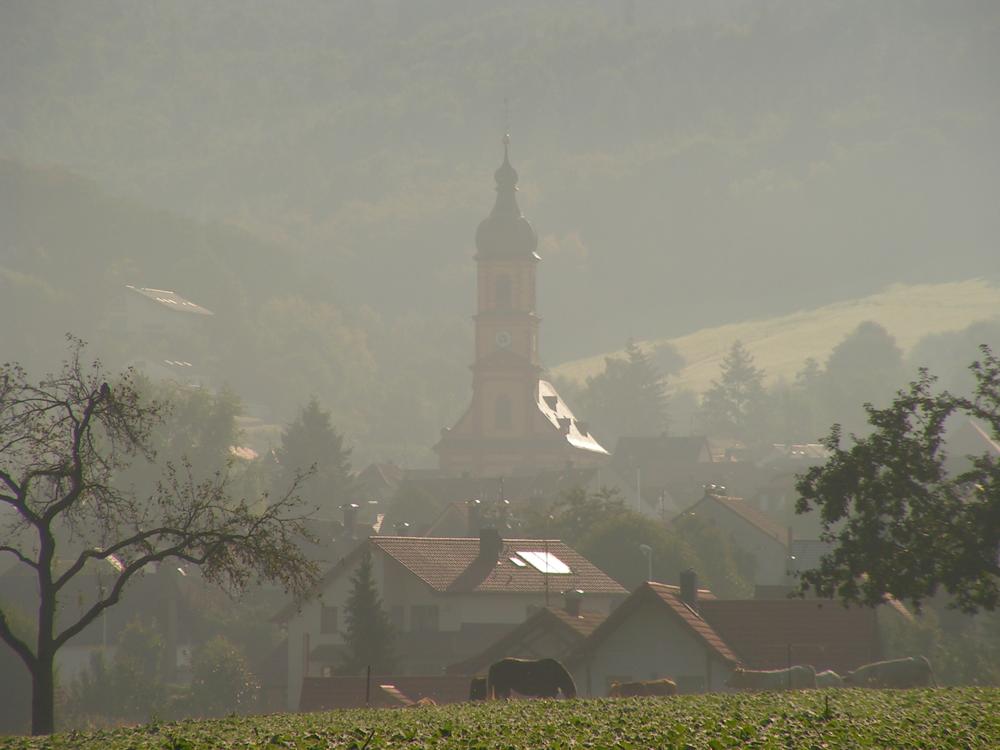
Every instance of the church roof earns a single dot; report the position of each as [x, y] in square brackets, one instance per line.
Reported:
[505, 231]
[554, 409]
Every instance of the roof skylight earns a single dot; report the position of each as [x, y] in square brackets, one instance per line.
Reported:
[545, 562]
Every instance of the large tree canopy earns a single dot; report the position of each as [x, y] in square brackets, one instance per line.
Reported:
[63, 441]
[735, 404]
[901, 525]
[628, 398]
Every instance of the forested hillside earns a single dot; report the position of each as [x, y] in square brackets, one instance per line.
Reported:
[685, 164]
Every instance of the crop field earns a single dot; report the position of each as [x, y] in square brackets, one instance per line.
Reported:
[945, 718]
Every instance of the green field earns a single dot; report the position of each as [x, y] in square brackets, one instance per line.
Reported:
[780, 345]
[944, 718]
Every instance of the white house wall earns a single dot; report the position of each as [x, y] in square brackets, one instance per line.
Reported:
[770, 554]
[649, 646]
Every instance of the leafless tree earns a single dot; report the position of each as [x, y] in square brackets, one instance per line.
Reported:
[63, 440]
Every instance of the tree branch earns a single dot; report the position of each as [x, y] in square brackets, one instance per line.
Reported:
[19, 555]
[8, 480]
[130, 570]
[20, 647]
[104, 554]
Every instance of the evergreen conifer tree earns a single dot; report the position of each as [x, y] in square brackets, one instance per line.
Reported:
[311, 440]
[628, 398]
[369, 635]
[735, 404]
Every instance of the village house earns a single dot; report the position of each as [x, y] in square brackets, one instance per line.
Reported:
[687, 634]
[551, 632]
[655, 633]
[752, 531]
[777, 633]
[449, 598]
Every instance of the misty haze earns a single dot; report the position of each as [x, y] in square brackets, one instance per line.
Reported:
[493, 358]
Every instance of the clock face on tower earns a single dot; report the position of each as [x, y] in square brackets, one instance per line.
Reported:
[503, 339]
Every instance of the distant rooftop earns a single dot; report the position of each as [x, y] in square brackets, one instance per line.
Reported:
[170, 300]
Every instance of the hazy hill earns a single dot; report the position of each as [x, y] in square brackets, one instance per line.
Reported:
[686, 163]
[782, 343]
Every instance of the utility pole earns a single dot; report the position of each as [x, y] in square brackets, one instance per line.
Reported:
[646, 550]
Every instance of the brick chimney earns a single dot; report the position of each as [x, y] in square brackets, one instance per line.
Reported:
[689, 588]
[572, 600]
[490, 545]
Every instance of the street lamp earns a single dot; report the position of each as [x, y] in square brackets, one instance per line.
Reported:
[646, 550]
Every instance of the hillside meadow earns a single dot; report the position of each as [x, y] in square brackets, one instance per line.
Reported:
[940, 718]
[781, 344]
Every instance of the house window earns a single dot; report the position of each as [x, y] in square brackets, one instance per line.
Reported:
[396, 616]
[502, 416]
[424, 618]
[328, 624]
[504, 295]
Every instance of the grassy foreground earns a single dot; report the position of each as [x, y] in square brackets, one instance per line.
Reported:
[946, 718]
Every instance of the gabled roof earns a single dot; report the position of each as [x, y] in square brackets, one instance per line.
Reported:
[668, 601]
[555, 410]
[572, 629]
[795, 455]
[451, 565]
[771, 633]
[748, 513]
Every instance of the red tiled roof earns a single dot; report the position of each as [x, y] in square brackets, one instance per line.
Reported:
[584, 623]
[452, 564]
[770, 633]
[387, 691]
[668, 599]
[570, 628]
[751, 515]
[671, 596]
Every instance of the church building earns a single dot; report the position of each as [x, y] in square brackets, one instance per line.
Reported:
[516, 422]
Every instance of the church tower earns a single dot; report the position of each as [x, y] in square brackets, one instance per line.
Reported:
[516, 423]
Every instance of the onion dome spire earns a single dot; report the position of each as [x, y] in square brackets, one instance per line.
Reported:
[505, 231]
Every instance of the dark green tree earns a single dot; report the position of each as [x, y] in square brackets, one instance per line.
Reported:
[312, 442]
[573, 514]
[735, 405]
[221, 681]
[369, 635]
[613, 545]
[131, 687]
[628, 398]
[901, 525]
[866, 367]
[63, 441]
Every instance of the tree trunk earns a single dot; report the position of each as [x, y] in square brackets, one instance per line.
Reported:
[43, 682]
[43, 691]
